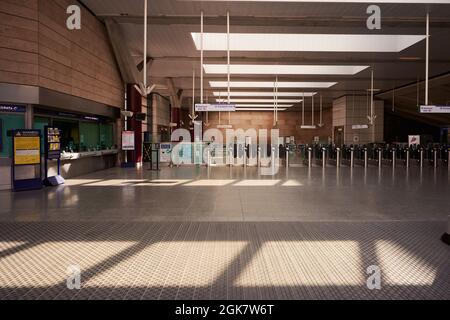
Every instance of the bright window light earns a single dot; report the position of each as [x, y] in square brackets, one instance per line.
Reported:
[262, 105]
[283, 69]
[264, 94]
[306, 42]
[270, 84]
[280, 101]
[259, 109]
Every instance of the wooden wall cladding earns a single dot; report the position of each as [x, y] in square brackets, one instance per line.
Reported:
[288, 123]
[37, 49]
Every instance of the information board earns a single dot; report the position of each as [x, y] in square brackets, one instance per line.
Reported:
[52, 143]
[27, 147]
[434, 109]
[128, 141]
[215, 107]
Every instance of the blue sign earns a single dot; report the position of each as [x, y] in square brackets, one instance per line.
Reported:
[12, 108]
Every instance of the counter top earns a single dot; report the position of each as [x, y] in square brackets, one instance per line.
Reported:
[79, 155]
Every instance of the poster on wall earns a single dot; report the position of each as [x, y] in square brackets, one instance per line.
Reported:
[128, 141]
[413, 140]
[52, 143]
[27, 147]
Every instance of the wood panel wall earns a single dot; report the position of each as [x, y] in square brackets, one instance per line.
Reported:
[288, 123]
[37, 49]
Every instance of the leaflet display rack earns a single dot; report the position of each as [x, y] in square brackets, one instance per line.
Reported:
[52, 146]
[26, 147]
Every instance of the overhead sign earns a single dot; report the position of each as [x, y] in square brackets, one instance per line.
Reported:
[12, 108]
[434, 109]
[215, 107]
[128, 141]
[27, 147]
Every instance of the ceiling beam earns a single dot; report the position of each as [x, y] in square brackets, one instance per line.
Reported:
[268, 21]
[125, 62]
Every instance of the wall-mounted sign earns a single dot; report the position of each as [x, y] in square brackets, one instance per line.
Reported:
[27, 147]
[128, 141]
[52, 143]
[12, 108]
[360, 126]
[413, 140]
[434, 109]
[215, 108]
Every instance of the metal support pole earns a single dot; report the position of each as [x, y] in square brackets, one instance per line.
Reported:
[338, 157]
[352, 157]
[394, 155]
[287, 157]
[258, 160]
[209, 158]
[145, 46]
[324, 157]
[380, 158]
[421, 158]
[407, 158]
[272, 162]
[201, 59]
[427, 60]
[366, 158]
[228, 63]
[435, 158]
[310, 157]
[448, 159]
[245, 157]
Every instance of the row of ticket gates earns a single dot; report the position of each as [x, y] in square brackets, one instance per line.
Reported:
[330, 155]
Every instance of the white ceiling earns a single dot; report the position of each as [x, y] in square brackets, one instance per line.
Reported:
[171, 23]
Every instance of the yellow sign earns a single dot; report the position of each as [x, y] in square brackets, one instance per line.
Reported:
[27, 150]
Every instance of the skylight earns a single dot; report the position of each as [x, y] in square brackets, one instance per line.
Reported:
[270, 84]
[264, 94]
[259, 109]
[280, 101]
[283, 69]
[262, 105]
[306, 42]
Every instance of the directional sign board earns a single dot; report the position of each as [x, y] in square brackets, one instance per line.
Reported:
[215, 107]
[434, 109]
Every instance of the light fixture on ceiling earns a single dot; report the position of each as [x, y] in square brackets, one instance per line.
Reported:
[410, 58]
[270, 84]
[280, 101]
[284, 69]
[306, 42]
[264, 94]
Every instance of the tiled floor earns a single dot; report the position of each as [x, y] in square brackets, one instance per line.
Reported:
[190, 233]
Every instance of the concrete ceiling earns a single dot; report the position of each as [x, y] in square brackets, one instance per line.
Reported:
[175, 56]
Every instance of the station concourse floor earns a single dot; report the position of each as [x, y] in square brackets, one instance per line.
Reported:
[220, 233]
